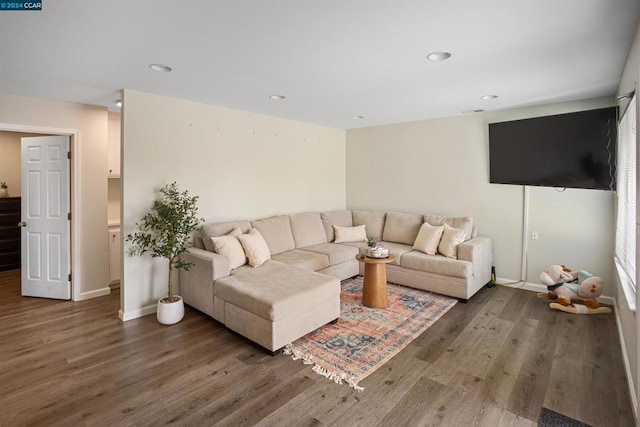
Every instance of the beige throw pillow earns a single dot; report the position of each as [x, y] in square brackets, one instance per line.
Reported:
[428, 238]
[350, 234]
[255, 248]
[230, 246]
[451, 238]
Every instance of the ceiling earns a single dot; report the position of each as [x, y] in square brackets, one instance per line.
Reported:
[332, 59]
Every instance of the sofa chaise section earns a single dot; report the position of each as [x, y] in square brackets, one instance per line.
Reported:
[277, 303]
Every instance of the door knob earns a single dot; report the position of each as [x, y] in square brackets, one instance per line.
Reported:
[22, 224]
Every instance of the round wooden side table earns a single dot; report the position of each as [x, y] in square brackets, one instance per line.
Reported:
[374, 294]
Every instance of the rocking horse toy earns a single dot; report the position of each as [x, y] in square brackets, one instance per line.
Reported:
[572, 292]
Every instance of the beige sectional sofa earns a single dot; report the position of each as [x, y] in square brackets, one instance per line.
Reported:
[297, 290]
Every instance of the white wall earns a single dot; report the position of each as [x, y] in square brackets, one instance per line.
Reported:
[91, 250]
[575, 228]
[240, 164]
[441, 166]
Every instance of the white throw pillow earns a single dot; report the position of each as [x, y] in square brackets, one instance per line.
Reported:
[428, 238]
[255, 248]
[230, 246]
[350, 234]
[451, 238]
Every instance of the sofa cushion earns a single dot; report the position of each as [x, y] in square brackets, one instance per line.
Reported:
[357, 245]
[437, 264]
[428, 238]
[230, 246]
[254, 247]
[303, 259]
[214, 229]
[307, 229]
[397, 249]
[337, 253]
[329, 219]
[463, 223]
[276, 231]
[350, 234]
[401, 227]
[451, 238]
[276, 290]
[374, 220]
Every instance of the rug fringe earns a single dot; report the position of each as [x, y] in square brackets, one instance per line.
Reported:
[333, 376]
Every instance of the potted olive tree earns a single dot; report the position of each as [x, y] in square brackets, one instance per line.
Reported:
[165, 232]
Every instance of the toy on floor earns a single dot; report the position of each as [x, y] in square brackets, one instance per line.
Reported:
[566, 288]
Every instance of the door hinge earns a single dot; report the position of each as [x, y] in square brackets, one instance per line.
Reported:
[69, 216]
[69, 155]
[69, 277]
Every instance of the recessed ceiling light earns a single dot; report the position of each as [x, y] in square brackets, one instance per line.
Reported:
[472, 111]
[357, 117]
[276, 97]
[118, 103]
[438, 56]
[487, 97]
[160, 68]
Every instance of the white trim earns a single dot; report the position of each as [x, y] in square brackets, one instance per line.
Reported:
[627, 287]
[625, 360]
[75, 249]
[134, 314]
[93, 294]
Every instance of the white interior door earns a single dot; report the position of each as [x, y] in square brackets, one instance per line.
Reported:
[45, 221]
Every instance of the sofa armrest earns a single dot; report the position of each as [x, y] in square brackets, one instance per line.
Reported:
[479, 252]
[216, 265]
[196, 284]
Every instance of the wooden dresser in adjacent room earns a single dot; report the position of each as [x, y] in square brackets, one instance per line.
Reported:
[9, 233]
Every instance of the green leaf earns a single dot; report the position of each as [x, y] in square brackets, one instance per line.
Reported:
[165, 231]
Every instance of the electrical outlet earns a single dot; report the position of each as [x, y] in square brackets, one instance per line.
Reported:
[535, 235]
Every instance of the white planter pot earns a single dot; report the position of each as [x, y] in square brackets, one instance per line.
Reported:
[170, 313]
[4, 192]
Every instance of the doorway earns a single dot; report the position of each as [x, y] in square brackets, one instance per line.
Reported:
[13, 132]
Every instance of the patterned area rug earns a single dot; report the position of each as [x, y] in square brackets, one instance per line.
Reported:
[364, 338]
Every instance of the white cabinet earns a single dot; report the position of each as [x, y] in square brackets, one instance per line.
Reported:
[115, 255]
[113, 146]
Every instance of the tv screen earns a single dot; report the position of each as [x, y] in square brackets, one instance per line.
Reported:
[575, 150]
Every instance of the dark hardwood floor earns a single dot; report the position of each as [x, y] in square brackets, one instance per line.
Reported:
[495, 361]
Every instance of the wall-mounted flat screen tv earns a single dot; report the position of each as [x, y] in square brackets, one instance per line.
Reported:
[575, 150]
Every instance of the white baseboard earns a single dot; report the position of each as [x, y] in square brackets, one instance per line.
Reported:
[94, 294]
[134, 314]
[535, 287]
